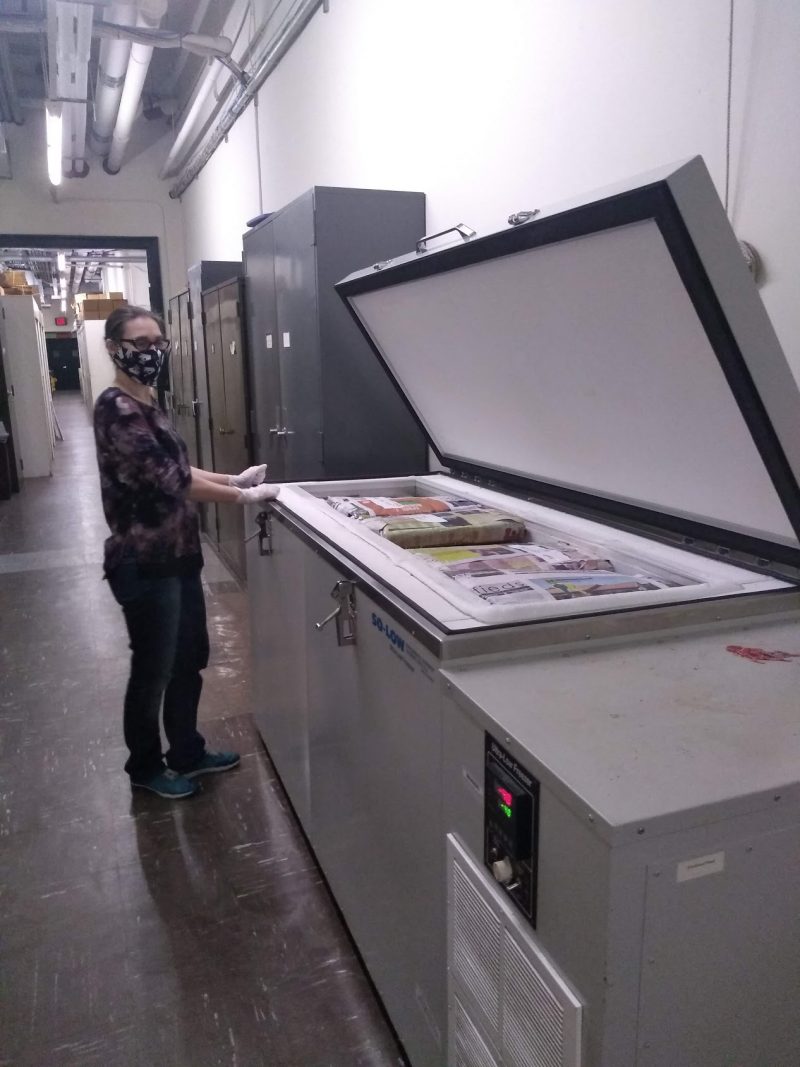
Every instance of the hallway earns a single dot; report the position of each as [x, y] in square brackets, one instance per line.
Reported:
[134, 930]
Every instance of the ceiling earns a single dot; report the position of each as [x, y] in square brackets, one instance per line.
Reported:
[171, 77]
[82, 271]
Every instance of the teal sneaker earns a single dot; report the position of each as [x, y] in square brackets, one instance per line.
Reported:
[168, 784]
[213, 763]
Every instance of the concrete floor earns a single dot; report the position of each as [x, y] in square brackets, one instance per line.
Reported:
[135, 930]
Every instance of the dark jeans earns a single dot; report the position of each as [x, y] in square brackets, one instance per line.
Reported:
[166, 619]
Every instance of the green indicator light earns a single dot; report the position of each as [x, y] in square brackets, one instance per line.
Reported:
[506, 810]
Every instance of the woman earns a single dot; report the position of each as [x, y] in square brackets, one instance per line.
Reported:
[153, 557]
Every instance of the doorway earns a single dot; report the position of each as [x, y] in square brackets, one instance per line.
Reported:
[64, 363]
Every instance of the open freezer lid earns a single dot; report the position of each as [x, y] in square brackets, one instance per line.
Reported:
[614, 354]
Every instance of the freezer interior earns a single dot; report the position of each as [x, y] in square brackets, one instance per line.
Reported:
[529, 562]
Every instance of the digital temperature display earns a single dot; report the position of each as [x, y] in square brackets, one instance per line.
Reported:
[511, 806]
[505, 801]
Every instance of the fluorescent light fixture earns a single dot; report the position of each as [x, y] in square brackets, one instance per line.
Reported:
[62, 262]
[63, 303]
[54, 134]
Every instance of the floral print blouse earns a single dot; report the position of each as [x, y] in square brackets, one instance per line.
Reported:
[144, 480]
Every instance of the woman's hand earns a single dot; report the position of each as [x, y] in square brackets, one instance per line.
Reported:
[252, 476]
[258, 494]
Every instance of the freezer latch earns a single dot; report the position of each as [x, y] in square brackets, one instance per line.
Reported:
[263, 533]
[344, 593]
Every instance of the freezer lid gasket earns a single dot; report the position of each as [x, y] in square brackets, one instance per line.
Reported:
[747, 449]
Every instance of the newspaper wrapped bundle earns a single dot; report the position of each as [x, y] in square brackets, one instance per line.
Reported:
[428, 521]
[487, 560]
[449, 528]
[517, 574]
[361, 508]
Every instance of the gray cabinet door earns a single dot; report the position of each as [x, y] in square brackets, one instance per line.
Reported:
[216, 397]
[265, 381]
[175, 383]
[185, 356]
[298, 340]
[230, 426]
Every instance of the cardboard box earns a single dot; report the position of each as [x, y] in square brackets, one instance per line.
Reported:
[99, 308]
[13, 278]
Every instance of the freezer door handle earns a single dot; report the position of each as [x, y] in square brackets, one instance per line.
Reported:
[344, 592]
[464, 231]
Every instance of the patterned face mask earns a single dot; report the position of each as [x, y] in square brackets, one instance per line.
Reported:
[143, 366]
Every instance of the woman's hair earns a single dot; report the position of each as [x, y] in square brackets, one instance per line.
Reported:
[117, 320]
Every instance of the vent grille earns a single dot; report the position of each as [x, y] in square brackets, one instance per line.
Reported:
[497, 970]
[470, 1048]
[533, 1020]
[477, 937]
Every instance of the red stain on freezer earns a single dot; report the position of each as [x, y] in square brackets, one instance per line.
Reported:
[761, 655]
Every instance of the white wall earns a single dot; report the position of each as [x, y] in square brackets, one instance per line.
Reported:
[49, 316]
[494, 107]
[131, 203]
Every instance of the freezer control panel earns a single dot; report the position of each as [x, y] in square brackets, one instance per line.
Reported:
[511, 819]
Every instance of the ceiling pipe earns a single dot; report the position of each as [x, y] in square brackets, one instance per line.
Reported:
[188, 126]
[243, 94]
[69, 43]
[114, 55]
[196, 25]
[150, 16]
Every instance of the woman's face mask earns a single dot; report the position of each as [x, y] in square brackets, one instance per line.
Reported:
[142, 365]
[141, 358]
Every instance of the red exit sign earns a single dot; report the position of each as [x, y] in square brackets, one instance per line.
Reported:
[61, 320]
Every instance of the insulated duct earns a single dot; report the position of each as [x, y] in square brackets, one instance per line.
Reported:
[242, 94]
[114, 55]
[150, 15]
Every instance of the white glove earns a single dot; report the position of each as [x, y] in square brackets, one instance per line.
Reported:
[258, 494]
[252, 476]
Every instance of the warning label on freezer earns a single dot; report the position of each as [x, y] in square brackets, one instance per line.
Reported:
[403, 649]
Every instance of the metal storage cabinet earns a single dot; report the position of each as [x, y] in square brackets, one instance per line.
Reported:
[202, 276]
[182, 376]
[322, 408]
[227, 410]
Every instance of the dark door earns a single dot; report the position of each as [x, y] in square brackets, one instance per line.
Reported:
[234, 453]
[216, 398]
[300, 430]
[64, 362]
[189, 412]
[263, 343]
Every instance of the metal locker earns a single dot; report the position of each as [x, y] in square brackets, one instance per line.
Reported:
[202, 276]
[230, 423]
[189, 419]
[322, 406]
[264, 365]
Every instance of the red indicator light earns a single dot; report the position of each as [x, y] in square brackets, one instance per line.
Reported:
[505, 796]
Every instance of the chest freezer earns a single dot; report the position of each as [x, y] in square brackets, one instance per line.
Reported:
[603, 385]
